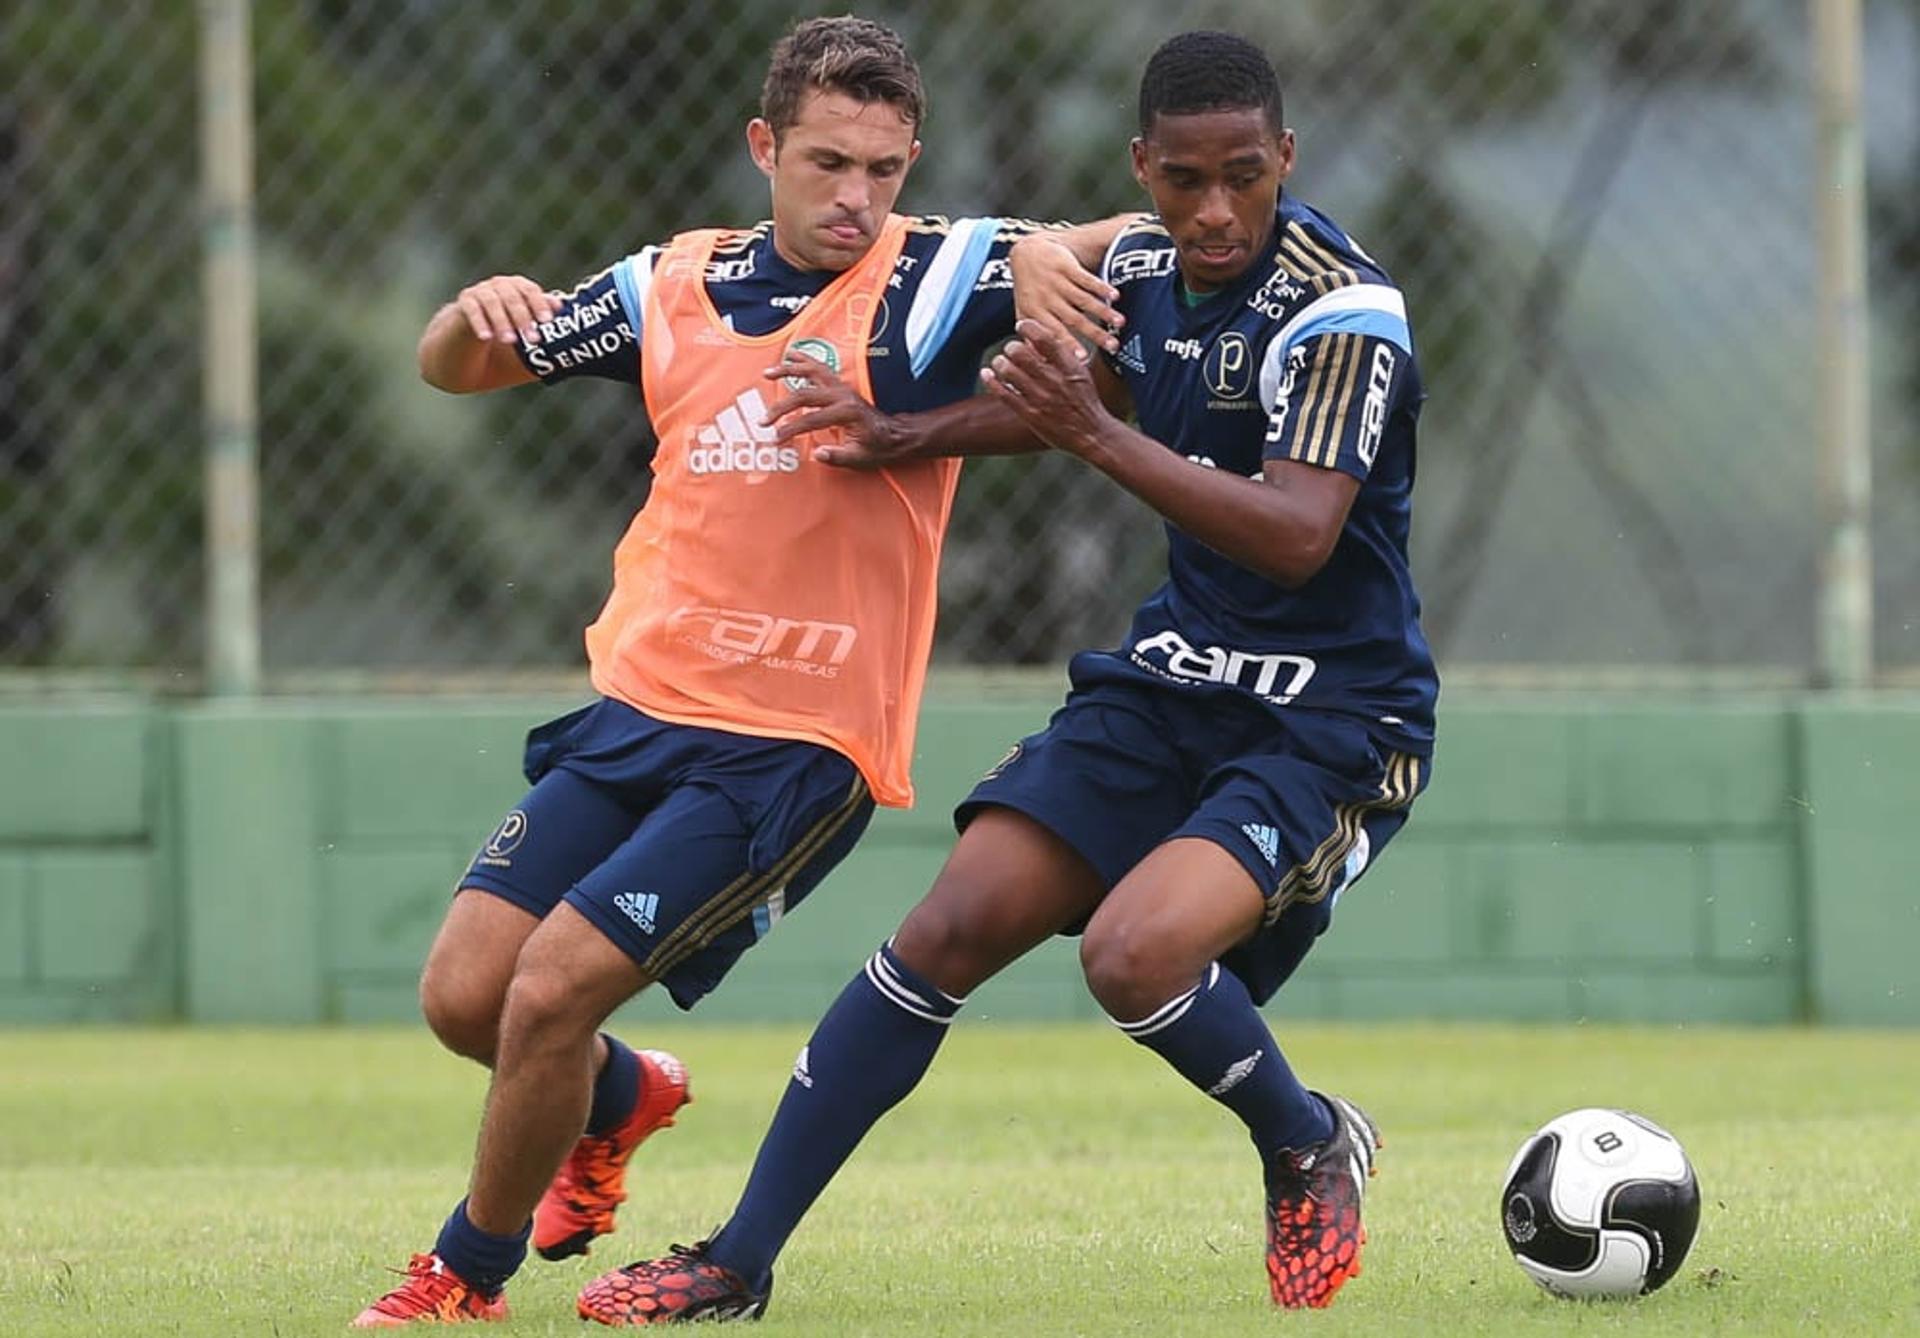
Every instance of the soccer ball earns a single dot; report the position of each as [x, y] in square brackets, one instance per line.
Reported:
[1600, 1203]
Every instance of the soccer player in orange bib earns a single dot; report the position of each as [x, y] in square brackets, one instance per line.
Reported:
[761, 657]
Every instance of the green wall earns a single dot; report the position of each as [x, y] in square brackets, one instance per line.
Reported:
[1613, 860]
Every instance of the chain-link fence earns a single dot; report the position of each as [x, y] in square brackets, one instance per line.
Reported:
[1601, 210]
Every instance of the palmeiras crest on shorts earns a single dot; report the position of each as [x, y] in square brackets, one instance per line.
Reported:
[505, 840]
[819, 350]
[1013, 755]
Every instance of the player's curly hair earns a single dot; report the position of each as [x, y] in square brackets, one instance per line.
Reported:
[858, 57]
[1208, 71]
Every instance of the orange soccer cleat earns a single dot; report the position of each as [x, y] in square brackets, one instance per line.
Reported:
[432, 1294]
[1314, 1233]
[580, 1202]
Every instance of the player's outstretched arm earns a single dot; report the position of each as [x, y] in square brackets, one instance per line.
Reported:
[1283, 526]
[856, 435]
[1056, 280]
[470, 344]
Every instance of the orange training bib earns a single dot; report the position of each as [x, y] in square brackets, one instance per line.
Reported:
[758, 591]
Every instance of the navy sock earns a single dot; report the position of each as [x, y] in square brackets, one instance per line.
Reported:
[484, 1261]
[1219, 1042]
[868, 1052]
[616, 1090]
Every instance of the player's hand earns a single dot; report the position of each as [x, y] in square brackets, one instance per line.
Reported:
[507, 307]
[1050, 287]
[854, 434]
[1043, 377]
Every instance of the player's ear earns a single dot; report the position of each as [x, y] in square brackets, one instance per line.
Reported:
[913, 154]
[1286, 154]
[1139, 150]
[761, 144]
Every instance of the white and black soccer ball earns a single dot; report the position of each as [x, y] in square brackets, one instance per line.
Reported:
[1600, 1203]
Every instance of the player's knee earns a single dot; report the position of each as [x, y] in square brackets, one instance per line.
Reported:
[466, 1020]
[1124, 972]
[543, 1006]
[948, 943]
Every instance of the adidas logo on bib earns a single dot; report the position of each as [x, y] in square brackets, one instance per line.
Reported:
[738, 441]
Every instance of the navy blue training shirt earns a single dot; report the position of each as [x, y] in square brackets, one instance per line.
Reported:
[1307, 357]
[949, 300]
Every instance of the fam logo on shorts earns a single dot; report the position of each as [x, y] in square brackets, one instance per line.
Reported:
[817, 349]
[505, 840]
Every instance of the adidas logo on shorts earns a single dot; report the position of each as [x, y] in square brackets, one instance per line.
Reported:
[639, 907]
[1265, 839]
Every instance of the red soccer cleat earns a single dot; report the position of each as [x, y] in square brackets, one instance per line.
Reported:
[580, 1202]
[1314, 1233]
[432, 1294]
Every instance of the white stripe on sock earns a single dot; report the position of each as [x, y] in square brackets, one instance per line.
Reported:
[1164, 1016]
[900, 997]
[1170, 1012]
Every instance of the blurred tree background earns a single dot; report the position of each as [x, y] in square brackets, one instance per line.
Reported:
[1600, 210]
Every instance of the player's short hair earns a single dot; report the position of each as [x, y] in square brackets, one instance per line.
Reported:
[1209, 71]
[865, 60]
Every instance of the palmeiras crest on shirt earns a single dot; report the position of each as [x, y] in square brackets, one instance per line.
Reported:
[820, 350]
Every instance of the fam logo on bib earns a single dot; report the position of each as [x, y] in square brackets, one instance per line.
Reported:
[817, 349]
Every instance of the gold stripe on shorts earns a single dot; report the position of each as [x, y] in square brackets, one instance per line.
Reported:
[1311, 879]
[745, 894]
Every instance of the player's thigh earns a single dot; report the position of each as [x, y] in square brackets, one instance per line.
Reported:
[1009, 885]
[1304, 825]
[568, 977]
[711, 870]
[468, 967]
[1106, 776]
[560, 830]
[1177, 911]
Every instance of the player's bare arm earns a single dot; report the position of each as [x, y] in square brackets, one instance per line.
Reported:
[1056, 280]
[469, 345]
[862, 437]
[1283, 526]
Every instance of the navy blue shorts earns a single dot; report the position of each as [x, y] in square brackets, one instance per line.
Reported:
[1304, 800]
[683, 845]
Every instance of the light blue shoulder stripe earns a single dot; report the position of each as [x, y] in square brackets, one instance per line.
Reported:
[1381, 324]
[629, 290]
[959, 291]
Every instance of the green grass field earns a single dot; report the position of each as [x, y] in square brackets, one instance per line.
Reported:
[1043, 1181]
